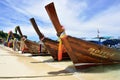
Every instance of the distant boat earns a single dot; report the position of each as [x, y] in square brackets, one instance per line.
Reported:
[28, 46]
[111, 42]
[84, 54]
[9, 41]
[50, 45]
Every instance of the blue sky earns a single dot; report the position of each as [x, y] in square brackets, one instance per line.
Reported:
[80, 18]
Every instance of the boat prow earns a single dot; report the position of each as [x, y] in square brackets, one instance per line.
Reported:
[27, 46]
[82, 53]
[50, 45]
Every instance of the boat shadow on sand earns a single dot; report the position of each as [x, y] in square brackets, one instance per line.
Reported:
[71, 69]
[98, 69]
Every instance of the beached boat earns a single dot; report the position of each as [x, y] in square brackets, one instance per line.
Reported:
[50, 45]
[83, 53]
[9, 41]
[28, 46]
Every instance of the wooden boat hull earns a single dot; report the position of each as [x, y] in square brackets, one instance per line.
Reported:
[52, 47]
[81, 51]
[87, 52]
[10, 44]
[32, 47]
[80, 66]
[28, 46]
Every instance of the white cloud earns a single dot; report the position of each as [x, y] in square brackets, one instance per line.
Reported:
[107, 22]
[68, 12]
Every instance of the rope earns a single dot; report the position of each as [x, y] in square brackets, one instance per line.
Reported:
[42, 38]
[60, 47]
[8, 37]
[14, 44]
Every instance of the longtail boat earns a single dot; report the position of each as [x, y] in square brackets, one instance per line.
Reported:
[9, 41]
[23, 46]
[12, 41]
[84, 54]
[50, 45]
[28, 46]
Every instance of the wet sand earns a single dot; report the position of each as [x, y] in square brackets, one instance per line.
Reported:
[14, 66]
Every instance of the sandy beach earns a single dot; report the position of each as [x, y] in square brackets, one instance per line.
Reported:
[14, 66]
